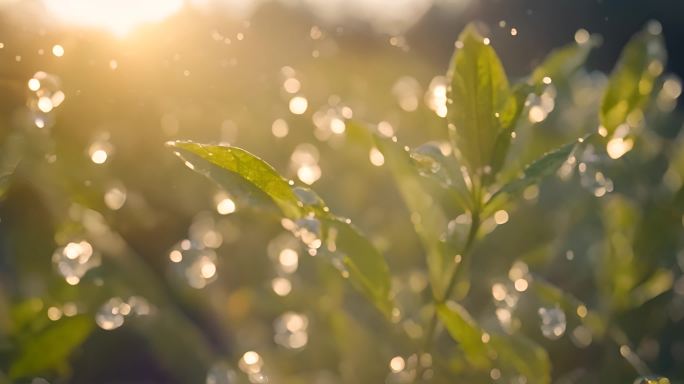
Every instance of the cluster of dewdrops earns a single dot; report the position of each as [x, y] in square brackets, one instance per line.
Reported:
[195, 258]
[506, 295]
[75, 258]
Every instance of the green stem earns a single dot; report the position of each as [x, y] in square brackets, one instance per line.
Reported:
[432, 326]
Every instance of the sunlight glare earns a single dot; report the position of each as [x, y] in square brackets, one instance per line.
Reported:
[116, 16]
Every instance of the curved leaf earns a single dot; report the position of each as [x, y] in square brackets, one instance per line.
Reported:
[545, 166]
[631, 82]
[562, 62]
[259, 176]
[514, 355]
[51, 347]
[259, 184]
[465, 331]
[428, 218]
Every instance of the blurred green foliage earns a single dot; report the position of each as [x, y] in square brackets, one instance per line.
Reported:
[535, 237]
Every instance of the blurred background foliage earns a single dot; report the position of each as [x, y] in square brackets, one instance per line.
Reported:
[88, 175]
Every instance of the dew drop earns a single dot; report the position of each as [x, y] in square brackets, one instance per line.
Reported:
[109, 316]
[290, 330]
[553, 322]
[74, 260]
[194, 264]
[221, 373]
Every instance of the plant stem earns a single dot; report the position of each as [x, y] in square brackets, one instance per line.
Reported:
[432, 326]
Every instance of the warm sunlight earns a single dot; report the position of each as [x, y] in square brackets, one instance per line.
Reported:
[116, 16]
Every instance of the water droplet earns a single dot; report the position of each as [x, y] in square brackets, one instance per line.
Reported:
[618, 146]
[376, 157]
[194, 264]
[251, 363]
[552, 322]
[281, 286]
[407, 90]
[292, 85]
[115, 197]
[291, 330]
[221, 373]
[100, 149]
[298, 105]
[308, 230]
[338, 261]
[582, 36]
[397, 364]
[109, 316]
[46, 96]
[280, 128]
[224, 204]
[436, 96]
[581, 336]
[304, 160]
[54, 313]
[74, 260]
[501, 217]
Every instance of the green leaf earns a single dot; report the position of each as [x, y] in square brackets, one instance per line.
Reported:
[465, 331]
[632, 80]
[479, 99]
[515, 354]
[52, 347]
[545, 166]
[563, 62]
[248, 176]
[508, 123]
[427, 216]
[521, 356]
[259, 184]
[367, 269]
[24, 312]
[552, 295]
[10, 157]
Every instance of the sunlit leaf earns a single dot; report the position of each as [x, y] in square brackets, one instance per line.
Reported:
[479, 99]
[23, 313]
[50, 348]
[543, 167]
[515, 355]
[551, 295]
[632, 80]
[258, 177]
[10, 156]
[367, 268]
[465, 331]
[617, 272]
[563, 62]
[428, 218]
[509, 119]
[523, 357]
[259, 183]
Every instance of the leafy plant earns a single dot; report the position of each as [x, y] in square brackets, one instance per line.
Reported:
[473, 171]
[547, 212]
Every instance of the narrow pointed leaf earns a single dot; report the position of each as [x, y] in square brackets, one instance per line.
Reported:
[632, 80]
[563, 62]
[545, 166]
